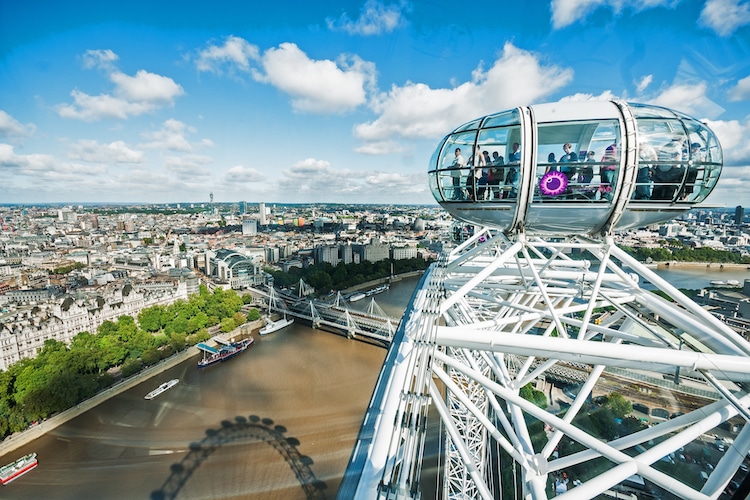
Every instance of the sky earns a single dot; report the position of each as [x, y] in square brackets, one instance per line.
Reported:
[331, 101]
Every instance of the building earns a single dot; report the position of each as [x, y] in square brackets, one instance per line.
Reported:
[232, 267]
[326, 253]
[739, 215]
[249, 226]
[24, 329]
[262, 211]
[375, 251]
[403, 252]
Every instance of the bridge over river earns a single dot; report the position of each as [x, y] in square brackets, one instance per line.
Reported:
[336, 315]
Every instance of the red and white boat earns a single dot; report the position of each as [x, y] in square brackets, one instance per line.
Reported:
[16, 469]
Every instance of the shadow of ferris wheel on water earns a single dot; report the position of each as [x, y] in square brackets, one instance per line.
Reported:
[243, 429]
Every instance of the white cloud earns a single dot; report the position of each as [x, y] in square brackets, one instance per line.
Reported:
[607, 95]
[170, 137]
[725, 16]
[315, 86]
[731, 189]
[132, 95]
[242, 175]
[42, 167]
[416, 110]
[236, 53]
[99, 59]
[114, 152]
[740, 92]
[688, 98]
[189, 167]
[146, 87]
[644, 83]
[374, 18]
[9, 126]
[733, 136]
[319, 86]
[567, 12]
[316, 180]
[380, 148]
[25, 164]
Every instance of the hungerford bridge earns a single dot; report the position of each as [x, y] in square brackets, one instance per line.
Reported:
[372, 324]
[541, 285]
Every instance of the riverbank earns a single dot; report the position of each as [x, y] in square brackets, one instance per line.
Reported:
[22, 438]
[716, 266]
[380, 281]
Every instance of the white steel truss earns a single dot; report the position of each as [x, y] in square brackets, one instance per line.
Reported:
[498, 314]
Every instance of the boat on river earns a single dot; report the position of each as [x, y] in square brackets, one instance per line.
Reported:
[16, 469]
[228, 350]
[378, 289]
[726, 283]
[274, 326]
[162, 388]
[357, 296]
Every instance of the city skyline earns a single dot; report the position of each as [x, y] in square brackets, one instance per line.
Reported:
[324, 103]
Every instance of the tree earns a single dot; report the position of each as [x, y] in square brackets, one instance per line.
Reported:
[151, 356]
[253, 314]
[239, 318]
[152, 318]
[227, 325]
[619, 406]
[131, 366]
[528, 393]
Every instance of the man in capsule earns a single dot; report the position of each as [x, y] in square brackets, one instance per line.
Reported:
[456, 166]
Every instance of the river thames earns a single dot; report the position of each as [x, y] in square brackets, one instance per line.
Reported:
[277, 422]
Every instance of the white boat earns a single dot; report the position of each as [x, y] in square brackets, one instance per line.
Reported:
[273, 326]
[162, 388]
[378, 289]
[357, 296]
[727, 283]
[16, 469]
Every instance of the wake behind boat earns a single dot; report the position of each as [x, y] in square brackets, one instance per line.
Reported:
[162, 388]
[228, 350]
[273, 326]
[16, 469]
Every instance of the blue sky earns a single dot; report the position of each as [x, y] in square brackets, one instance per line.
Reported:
[164, 102]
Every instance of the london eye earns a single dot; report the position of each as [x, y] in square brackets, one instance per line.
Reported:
[537, 297]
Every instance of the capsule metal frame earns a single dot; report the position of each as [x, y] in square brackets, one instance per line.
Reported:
[649, 165]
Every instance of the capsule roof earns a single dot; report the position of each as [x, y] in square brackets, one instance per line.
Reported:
[575, 167]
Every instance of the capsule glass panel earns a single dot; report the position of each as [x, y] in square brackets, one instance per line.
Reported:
[452, 168]
[575, 167]
[499, 180]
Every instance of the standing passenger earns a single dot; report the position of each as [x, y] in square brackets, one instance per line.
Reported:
[498, 175]
[646, 161]
[695, 159]
[569, 157]
[458, 164]
[476, 174]
[607, 171]
[587, 171]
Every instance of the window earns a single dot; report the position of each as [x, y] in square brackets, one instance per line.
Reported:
[577, 161]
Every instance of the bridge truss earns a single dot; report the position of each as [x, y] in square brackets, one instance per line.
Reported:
[498, 314]
[373, 323]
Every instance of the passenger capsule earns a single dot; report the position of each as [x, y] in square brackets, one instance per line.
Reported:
[575, 167]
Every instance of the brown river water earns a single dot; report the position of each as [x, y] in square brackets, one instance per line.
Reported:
[278, 421]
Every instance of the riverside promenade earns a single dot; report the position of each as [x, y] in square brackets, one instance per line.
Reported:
[673, 264]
